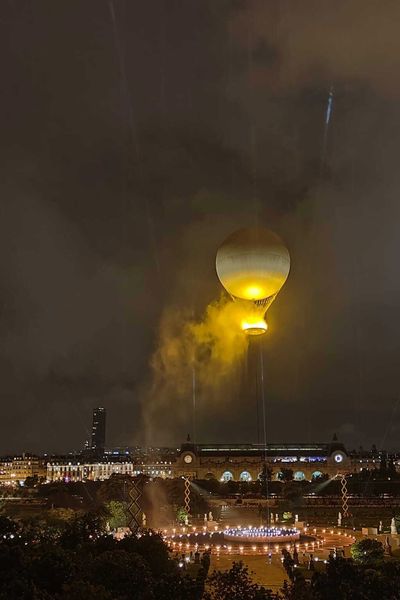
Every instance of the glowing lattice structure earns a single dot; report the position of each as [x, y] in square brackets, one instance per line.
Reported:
[345, 496]
[134, 508]
[187, 496]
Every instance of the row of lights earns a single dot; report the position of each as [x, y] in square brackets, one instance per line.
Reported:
[261, 531]
[193, 529]
[276, 548]
[273, 548]
[306, 545]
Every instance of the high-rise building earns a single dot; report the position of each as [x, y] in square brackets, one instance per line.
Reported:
[99, 429]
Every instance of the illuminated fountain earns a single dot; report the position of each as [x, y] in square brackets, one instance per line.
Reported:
[261, 534]
[246, 540]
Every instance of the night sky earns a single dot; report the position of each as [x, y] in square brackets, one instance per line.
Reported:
[134, 137]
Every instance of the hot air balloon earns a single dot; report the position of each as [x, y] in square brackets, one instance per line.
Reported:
[253, 264]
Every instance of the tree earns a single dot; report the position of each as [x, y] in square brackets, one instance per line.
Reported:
[8, 529]
[124, 575]
[264, 477]
[50, 567]
[347, 580]
[286, 475]
[174, 491]
[31, 481]
[383, 466]
[340, 580]
[391, 469]
[81, 590]
[397, 522]
[320, 478]
[21, 589]
[115, 487]
[83, 529]
[152, 549]
[236, 584]
[117, 514]
[367, 551]
[231, 487]
[288, 563]
[12, 565]
[82, 564]
[175, 586]
[298, 590]
[181, 515]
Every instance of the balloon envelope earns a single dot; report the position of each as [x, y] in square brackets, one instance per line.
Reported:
[253, 263]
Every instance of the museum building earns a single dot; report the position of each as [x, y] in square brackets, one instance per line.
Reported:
[245, 462]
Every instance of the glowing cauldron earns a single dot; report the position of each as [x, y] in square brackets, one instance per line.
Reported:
[261, 534]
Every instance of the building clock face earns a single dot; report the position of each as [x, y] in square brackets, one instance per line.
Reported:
[188, 458]
[338, 458]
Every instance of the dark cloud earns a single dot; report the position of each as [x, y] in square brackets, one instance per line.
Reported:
[130, 149]
[296, 44]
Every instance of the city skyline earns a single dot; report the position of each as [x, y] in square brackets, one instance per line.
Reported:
[220, 462]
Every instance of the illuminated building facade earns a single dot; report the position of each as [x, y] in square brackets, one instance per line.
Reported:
[15, 469]
[245, 462]
[223, 462]
[77, 469]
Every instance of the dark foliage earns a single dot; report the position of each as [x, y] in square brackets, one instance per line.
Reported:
[236, 584]
[81, 563]
[367, 551]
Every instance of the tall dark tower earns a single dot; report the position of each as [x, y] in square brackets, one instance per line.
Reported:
[99, 430]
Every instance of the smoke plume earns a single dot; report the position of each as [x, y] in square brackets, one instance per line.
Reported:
[192, 356]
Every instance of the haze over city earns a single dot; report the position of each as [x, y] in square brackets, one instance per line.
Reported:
[135, 138]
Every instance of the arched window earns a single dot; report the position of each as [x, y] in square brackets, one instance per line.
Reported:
[299, 476]
[210, 476]
[279, 476]
[245, 476]
[316, 475]
[227, 476]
